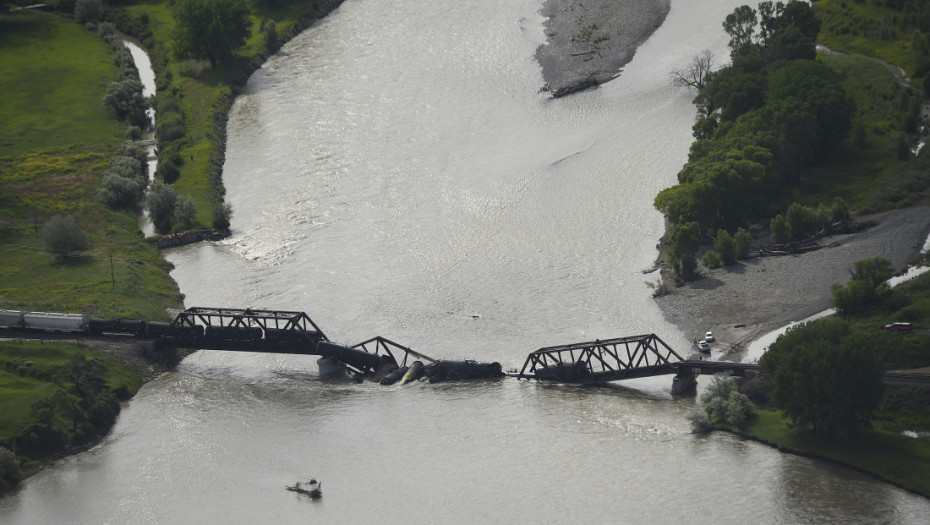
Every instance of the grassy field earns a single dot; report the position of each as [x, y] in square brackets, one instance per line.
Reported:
[891, 456]
[864, 29]
[49, 360]
[869, 176]
[55, 140]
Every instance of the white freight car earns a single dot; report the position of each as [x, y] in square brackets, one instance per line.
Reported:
[55, 321]
[11, 318]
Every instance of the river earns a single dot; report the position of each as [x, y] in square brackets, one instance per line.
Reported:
[393, 171]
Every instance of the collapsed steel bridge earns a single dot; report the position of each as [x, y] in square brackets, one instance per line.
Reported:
[601, 361]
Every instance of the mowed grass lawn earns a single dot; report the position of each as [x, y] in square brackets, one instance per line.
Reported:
[56, 139]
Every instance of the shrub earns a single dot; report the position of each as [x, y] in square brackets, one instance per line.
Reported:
[62, 236]
[700, 422]
[118, 191]
[726, 246]
[185, 211]
[125, 97]
[779, 228]
[88, 11]
[10, 472]
[725, 403]
[711, 259]
[167, 171]
[222, 214]
[161, 201]
[743, 243]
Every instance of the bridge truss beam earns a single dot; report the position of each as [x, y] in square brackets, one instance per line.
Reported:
[277, 325]
[602, 361]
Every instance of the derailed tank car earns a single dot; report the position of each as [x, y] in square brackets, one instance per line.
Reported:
[458, 370]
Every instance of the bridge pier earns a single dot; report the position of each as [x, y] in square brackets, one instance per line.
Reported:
[684, 384]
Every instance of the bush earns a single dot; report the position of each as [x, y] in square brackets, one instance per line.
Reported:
[700, 422]
[120, 192]
[161, 202]
[125, 97]
[711, 259]
[779, 228]
[62, 236]
[726, 246]
[10, 472]
[185, 211]
[725, 403]
[88, 11]
[743, 243]
[222, 214]
[167, 171]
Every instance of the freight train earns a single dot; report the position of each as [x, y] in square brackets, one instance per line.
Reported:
[83, 324]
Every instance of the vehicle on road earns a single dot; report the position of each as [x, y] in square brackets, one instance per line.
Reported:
[899, 327]
[709, 337]
[704, 347]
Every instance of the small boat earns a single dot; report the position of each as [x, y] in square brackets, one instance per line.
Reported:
[312, 489]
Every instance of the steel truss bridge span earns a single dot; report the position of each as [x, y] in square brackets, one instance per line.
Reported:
[601, 361]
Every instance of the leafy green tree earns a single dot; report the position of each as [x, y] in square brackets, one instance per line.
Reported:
[874, 271]
[222, 214]
[725, 404]
[824, 377]
[779, 228]
[839, 210]
[211, 29]
[686, 238]
[161, 202]
[740, 26]
[743, 241]
[726, 246]
[125, 97]
[88, 11]
[10, 472]
[62, 236]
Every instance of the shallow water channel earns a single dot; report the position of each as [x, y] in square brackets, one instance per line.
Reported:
[393, 171]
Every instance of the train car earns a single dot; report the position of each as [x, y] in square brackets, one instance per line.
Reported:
[234, 333]
[56, 322]
[158, 330]
[116, 326]
[11, 318]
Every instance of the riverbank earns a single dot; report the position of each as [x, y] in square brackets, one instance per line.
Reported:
[588, 43]
[739, 303]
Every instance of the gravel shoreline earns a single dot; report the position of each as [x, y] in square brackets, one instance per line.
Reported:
[742, 302]
[588, 41]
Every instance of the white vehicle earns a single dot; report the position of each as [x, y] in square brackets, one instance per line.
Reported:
[704, 347]
[709, 337]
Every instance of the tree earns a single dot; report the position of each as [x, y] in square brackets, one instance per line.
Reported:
[824, 377]
[211, 29]
[161, 201]
[779, 228]
[10, 473]
[125, 97]
[62, 236]
[743, 243]
[740, 25]
[725, 403]
[874, 271]
[88, 11]
[697, 73]
[222, 214]
[726, 246]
